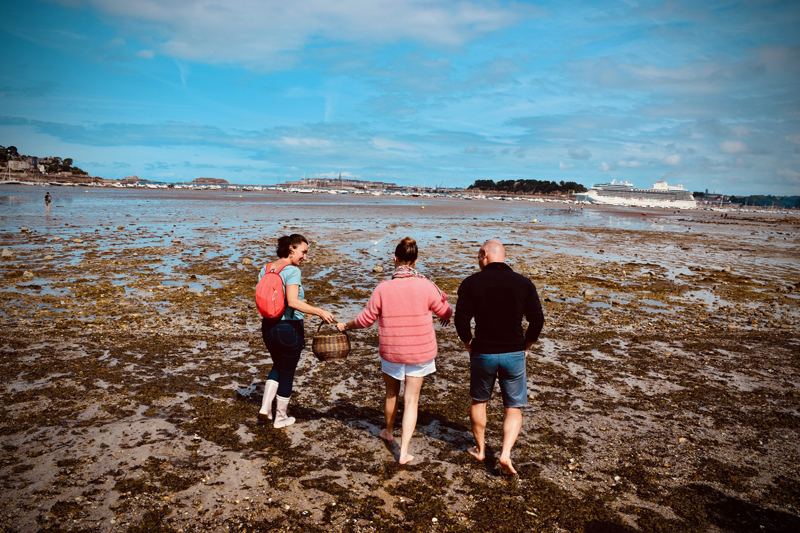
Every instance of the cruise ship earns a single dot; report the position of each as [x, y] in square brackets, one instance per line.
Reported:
[624, 193]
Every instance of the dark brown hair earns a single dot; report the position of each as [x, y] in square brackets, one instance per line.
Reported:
[288, 242]
[406, 251]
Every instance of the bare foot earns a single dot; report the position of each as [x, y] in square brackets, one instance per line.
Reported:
[474, 452]
[405, 459]
[506, 467]
[385, 436]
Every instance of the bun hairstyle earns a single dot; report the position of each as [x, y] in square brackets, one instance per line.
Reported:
[406, 251]
[288, 242]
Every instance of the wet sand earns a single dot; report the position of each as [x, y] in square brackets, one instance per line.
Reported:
[663, 393]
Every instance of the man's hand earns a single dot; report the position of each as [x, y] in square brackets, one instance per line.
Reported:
[468, 346]
[444, 322]
[528, 348]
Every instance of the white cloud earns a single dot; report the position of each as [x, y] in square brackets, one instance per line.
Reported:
[296, 142]
[733, 147]
[470, 150]
[788, 173]
[388, 144]
[671, 160]
[631, 163]
[579, 153]
[562, 166]
[741, 131]
[604, 167]
[260, 33]
[146, 54]
[780, 58]
[793, 138]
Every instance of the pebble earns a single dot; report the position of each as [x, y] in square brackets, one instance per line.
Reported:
[7, 253]
[25, 229]
[587, 293]
[48, 258]
[377, 269]
[247, 261]
[77, 241]
[27, 274]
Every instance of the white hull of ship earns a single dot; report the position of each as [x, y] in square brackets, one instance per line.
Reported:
[666, 203]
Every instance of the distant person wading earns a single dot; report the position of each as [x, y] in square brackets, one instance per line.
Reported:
[47, 200]
[284, 336]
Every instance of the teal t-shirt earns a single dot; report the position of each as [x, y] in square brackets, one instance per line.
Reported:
[290, 276]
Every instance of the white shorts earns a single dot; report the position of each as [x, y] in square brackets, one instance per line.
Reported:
[399, 371]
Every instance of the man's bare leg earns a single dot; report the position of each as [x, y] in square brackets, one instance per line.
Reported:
[477, 415]
[390, 407]
[511, 427]
[410, 405]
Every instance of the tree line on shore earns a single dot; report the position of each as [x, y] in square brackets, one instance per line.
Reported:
[528, 186]
[758, 200]
[51, 165]
[767, 200]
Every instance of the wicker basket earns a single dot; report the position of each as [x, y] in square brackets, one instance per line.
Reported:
[330, 347]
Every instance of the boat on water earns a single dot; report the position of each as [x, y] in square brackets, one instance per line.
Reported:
[624, 193]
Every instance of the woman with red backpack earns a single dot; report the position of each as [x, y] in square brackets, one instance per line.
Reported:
[284, 334]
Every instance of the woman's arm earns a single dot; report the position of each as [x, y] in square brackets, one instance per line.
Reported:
[442, 309]
[292, 300]
[368, 316]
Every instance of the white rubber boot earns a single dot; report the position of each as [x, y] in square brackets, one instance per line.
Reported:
[270, 390]
[281, 419]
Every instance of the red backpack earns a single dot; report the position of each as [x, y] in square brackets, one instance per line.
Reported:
[270, 294]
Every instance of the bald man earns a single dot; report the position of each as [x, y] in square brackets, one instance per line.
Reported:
[497, 298]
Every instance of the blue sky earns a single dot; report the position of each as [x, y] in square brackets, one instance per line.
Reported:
[704, 94]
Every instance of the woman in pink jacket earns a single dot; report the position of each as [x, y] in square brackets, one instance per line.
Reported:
[402, 306]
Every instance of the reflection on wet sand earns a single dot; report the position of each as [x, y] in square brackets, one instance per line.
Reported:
[662, 394]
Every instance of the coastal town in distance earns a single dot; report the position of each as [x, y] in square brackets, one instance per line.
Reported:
[57, 172]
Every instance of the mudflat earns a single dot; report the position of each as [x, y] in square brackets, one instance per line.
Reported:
[663, 393]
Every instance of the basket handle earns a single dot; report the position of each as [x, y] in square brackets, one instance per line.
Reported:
[322, 323]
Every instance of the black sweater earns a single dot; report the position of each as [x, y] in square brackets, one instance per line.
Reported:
[498, 298]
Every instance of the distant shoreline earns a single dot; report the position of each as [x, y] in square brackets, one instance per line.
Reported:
[461, 195]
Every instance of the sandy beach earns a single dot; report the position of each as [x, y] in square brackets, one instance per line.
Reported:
[663, 393]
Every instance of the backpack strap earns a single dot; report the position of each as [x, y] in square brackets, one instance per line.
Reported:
[269, 268]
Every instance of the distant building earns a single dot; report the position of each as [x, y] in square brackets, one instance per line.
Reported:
[19, 165]
[340, 183]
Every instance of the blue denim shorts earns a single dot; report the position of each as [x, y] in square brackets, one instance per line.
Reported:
[509, 367]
